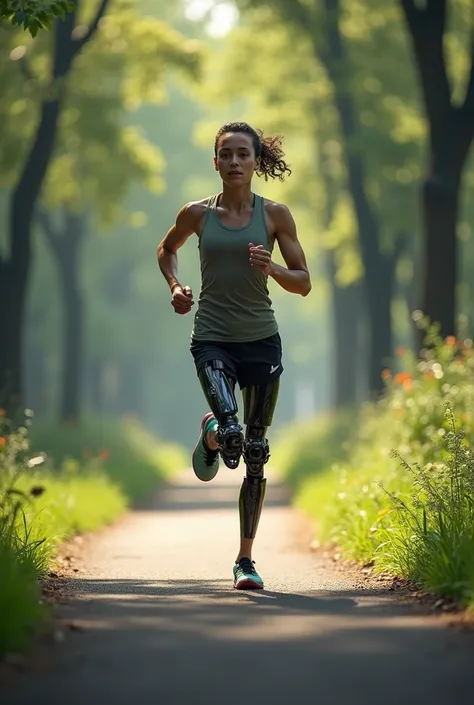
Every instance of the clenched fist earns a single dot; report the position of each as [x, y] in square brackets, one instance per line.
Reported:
[182, 299]
[260, 258]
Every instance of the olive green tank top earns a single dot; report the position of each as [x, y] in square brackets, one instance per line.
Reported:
[234, 304]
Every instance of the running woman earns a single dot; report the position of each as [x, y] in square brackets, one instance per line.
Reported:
[235, 337]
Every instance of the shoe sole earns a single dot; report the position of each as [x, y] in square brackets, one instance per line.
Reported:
[248, 585]
[203, 423]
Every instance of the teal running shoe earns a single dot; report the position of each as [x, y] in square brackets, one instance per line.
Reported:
[245, 575]
[206, 461]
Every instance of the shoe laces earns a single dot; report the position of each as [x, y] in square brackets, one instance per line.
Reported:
[209, 455]
[247, 566]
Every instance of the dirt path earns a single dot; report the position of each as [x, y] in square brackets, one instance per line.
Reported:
[161, 623]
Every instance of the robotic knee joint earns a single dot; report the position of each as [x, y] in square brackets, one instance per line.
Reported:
[230, 439]
[256, 453]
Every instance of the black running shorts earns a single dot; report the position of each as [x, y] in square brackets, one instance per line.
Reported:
[257, 362]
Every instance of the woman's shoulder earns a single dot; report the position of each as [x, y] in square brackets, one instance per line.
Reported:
[194, 212]
[198, 208]
[275, 211]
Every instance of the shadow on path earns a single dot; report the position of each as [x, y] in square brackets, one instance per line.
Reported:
[147, 634]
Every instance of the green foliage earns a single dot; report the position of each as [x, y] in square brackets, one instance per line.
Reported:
[98, 156]
[414, 518]
[130, 457]
[34, 15]
[39, 509]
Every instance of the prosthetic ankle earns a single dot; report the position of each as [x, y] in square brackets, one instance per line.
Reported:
[218, 390]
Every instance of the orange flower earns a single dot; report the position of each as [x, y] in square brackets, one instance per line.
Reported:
[429, 374]
[450, 340]
[400, 351]
[2, 412]
[104, 454]
[3, 441]
[408, 385]
[386, 374]
[402, 377]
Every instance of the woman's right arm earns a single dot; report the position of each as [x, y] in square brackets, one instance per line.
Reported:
[187, 223]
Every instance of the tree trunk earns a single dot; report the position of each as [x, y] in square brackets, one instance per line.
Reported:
[346, 310]
[451, 132]
[380, 295]
[376, 263]
[15, 270]
[66, 249]
[440, 208]
[12, 297]
[35, 382]
[95, 385]
[73, 326]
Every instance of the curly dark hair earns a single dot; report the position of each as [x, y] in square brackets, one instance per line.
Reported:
[267, 149]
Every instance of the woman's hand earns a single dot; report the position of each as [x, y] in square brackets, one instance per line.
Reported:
[260, 258]
[182, 299]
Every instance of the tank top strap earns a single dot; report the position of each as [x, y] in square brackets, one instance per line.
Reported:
[210, 209]
[260, 214]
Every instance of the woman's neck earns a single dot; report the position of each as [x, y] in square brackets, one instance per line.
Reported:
[236, 198]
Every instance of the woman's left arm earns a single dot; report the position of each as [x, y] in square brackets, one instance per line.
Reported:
[295, 276]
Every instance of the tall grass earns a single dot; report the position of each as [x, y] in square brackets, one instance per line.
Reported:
[399, 492]
[93, 473]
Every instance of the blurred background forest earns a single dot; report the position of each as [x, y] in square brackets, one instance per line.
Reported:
[142, 101]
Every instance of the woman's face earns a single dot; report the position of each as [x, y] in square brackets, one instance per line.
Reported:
[235, 160]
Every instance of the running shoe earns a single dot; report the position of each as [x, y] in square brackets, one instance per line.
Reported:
[245, 575]
[205, 460]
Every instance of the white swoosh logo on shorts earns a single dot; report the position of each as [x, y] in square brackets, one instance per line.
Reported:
[274, 369]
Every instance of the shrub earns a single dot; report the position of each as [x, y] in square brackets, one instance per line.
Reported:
[39, 509]
[413, 517]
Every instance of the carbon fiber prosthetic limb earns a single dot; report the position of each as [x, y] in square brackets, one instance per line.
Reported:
[218, 389]
[259, 405]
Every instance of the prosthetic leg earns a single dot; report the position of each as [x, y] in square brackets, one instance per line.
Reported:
[259, 403]
[218, 389]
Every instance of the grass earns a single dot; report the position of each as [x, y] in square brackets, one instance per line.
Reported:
[130, 456]
[398, 492]
[93, 472]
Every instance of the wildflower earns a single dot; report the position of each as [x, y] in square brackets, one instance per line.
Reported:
[3, 441]
[400, 351]
[104, 454]
[386, 374]
[402, 377]
[429, 374]
[37, 460]
[450, 340]
[2, 412]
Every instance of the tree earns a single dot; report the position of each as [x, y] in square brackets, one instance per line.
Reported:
[97, 159]
[69, 40]
[35, 14]
[367, 149]
[451, 131]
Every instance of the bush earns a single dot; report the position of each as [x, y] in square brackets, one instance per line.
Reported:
[39, 509]
[129, 455]
[408, 511]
